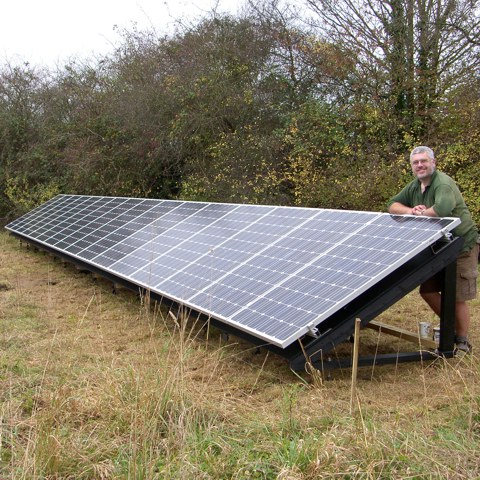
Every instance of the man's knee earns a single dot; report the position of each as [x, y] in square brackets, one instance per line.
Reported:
[430, 296]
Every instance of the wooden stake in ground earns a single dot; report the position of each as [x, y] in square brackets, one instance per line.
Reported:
[356, 344]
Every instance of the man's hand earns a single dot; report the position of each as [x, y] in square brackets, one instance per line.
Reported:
[419, 210]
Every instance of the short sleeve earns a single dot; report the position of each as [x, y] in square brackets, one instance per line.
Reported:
[444, 201]
[404, 197]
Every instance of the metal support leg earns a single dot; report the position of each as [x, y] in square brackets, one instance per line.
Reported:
[447, 309]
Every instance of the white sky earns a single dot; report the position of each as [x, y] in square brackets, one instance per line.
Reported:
[49, 32]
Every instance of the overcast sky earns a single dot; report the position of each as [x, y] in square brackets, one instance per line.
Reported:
[49, 32]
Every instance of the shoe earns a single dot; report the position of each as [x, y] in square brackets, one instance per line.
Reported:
[462, 348]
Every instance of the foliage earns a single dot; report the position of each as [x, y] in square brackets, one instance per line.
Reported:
[409, 54]
[25, 197]
[329, 169]
[259, 108]
[243, 167]
[460, 160]
[457, 154]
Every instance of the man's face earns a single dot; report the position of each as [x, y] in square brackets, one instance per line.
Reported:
[422, 166]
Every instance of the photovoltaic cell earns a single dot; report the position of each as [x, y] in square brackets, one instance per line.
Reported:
[273, 272]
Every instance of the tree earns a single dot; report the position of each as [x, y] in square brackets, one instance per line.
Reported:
[409, 53]
[224, 91]
[25, 171]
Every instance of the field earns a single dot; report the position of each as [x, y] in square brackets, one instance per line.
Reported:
[103, 385]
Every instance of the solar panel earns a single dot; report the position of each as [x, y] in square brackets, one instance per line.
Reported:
[273, 272]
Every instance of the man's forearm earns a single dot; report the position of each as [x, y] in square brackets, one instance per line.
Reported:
[400, 209]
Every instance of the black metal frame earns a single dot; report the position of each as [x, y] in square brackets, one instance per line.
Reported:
[377, 299]
[440, 257]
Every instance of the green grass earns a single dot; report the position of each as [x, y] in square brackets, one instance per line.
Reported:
[101, 386]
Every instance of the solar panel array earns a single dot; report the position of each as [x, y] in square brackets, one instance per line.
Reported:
[273, 272]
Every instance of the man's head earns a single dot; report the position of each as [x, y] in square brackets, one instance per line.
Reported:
[422, 161]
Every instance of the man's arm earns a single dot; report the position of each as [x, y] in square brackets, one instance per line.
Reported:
[428, 212]
[401, 209]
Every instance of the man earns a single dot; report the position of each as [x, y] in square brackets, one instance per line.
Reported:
[435, 194]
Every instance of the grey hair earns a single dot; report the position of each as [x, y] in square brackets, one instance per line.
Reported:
[423, 149]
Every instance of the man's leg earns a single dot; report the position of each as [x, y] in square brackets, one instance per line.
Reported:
[462, 319]
[462, 314]
[434, 301]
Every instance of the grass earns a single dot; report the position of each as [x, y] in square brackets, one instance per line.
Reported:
[96, 385]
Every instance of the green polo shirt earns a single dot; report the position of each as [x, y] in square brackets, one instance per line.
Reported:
[446, 199]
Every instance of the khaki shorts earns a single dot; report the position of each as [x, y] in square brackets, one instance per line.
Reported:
[467, 273]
